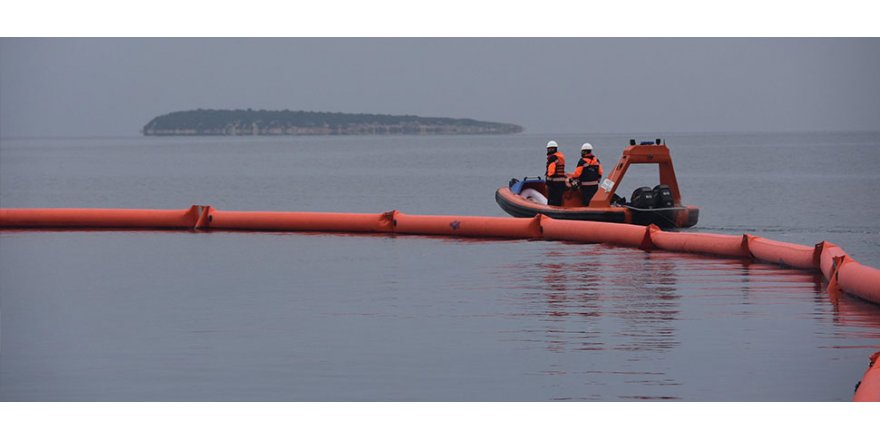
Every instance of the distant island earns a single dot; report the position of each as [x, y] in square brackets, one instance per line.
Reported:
[286, 122]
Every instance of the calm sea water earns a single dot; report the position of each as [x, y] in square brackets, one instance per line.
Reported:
[220, 316]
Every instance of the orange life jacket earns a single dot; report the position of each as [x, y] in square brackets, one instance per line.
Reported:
[555, 167]
[588, 170]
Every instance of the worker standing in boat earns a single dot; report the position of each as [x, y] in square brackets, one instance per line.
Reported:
[555, 174]
[588, 173]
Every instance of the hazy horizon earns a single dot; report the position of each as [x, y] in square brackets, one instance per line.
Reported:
[643, 135]
[110, 87]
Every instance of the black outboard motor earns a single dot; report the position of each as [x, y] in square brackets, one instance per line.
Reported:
[663, 197]
[642, 198]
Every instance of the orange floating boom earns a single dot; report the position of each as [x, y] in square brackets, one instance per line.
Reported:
[467, 226]
[297, 221]
[829, 252]
[783, 254]
[596, 232]
[840, 270]
[837, 267]
[860, 280]
[700, 243]
[99, 218]
[869, 387]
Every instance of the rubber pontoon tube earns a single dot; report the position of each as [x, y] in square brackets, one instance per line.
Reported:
[467, 226]
[99, 218]
[869, 387]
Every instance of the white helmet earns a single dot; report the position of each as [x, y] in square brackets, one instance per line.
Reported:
[552, 144]
[587, 147]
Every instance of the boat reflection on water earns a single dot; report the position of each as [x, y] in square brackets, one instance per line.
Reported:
[588, 288]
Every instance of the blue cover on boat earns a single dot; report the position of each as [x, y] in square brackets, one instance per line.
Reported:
[518, 186]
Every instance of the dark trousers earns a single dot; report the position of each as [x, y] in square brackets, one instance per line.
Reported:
[555, 190]
[588, 191]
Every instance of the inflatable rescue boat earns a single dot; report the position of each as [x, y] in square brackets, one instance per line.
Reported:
[660, 205]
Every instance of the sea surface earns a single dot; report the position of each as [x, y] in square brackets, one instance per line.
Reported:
[236, 316]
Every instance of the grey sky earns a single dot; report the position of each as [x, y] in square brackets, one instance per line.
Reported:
[83, 87]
